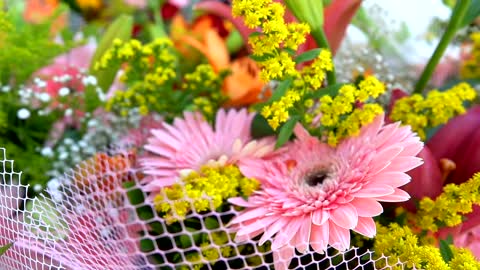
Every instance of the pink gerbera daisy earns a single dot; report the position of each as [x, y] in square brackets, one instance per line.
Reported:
[314, 194]
[190, 143]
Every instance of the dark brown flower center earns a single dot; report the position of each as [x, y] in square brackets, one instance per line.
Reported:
[316, 178]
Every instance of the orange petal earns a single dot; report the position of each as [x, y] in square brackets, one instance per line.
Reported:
[217, 52]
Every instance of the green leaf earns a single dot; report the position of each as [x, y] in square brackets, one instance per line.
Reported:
[156, 31]
[5, 248]
[280, 90]
[286, 131]
[121, 29]
[44, 214]
[234, 41]
[473, 12]
[211, 223]
[254, 34]
[308, 55]
[92, 101]
[331, 90]
[260, 58]
[260, 127]
[147, 245]
[445, 249]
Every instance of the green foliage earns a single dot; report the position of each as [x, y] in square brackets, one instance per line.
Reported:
[4, 249]
[120, 29]
[23, 139]
[24, 48]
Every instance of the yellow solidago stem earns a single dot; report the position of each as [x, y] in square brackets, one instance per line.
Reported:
[449, 208]
[339, 114]
[471, 67]
[399, 243]
[433, 110]
[203, 191]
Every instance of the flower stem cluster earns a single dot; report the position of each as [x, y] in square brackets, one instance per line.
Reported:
[433, 110]
[276, 38]
[274, 48]
[399, 243]
[203, 191]
[471, 67]
[449, 208]
[205, 83]
[149, 74]
[344, 114]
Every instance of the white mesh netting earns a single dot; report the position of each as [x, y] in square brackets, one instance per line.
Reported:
[98, 218]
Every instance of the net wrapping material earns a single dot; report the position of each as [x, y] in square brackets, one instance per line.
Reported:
[98, 217]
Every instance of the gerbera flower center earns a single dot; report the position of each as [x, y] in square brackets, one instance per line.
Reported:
[316, 178]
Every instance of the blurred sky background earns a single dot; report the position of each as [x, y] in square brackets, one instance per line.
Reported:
[417, 14]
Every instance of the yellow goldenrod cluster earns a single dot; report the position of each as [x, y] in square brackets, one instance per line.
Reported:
[340, 114]
[203, 191]
[471, 67]
[433, 110]
[204, 82]
[277, 113]
[448, 208]
[399, 243]
[276, 36]
[149, 70]
[312, 76]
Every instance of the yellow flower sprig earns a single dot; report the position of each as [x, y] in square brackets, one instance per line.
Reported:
[449, 208]
[340, 115]
[205, 84]
[149, 72]
[433, 110]
[400, 244]
[470, 68]
[203, 191]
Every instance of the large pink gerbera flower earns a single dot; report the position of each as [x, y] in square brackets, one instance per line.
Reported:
[192, 142]
[315, 194]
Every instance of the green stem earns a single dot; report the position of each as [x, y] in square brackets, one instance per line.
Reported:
[321, 40]
[458, 13]
[158, 30]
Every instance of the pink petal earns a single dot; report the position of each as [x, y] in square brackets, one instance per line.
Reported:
[404, 164]
[274, 228]
[339, 237]
[394, 179]
[256, 213]
[240, 202]
[387, 154]
[319, 217]
[345, 216]
[366, 226]
[374, 190]
[302, 237]
[367, 207]
[398, 196]
[426, 179]
[282, 257]
[319, 237]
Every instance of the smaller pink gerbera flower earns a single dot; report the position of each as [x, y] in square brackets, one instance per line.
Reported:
[190, 143]
[313, 195]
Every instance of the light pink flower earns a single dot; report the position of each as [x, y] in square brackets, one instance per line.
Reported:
[136, 3]
[471, 240]
[315, 194]
[179, 3]
[190, 143]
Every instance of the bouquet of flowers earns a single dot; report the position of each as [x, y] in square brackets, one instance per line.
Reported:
[234, 135]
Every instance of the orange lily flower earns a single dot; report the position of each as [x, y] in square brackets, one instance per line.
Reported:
[38, 11]
[243, 85]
